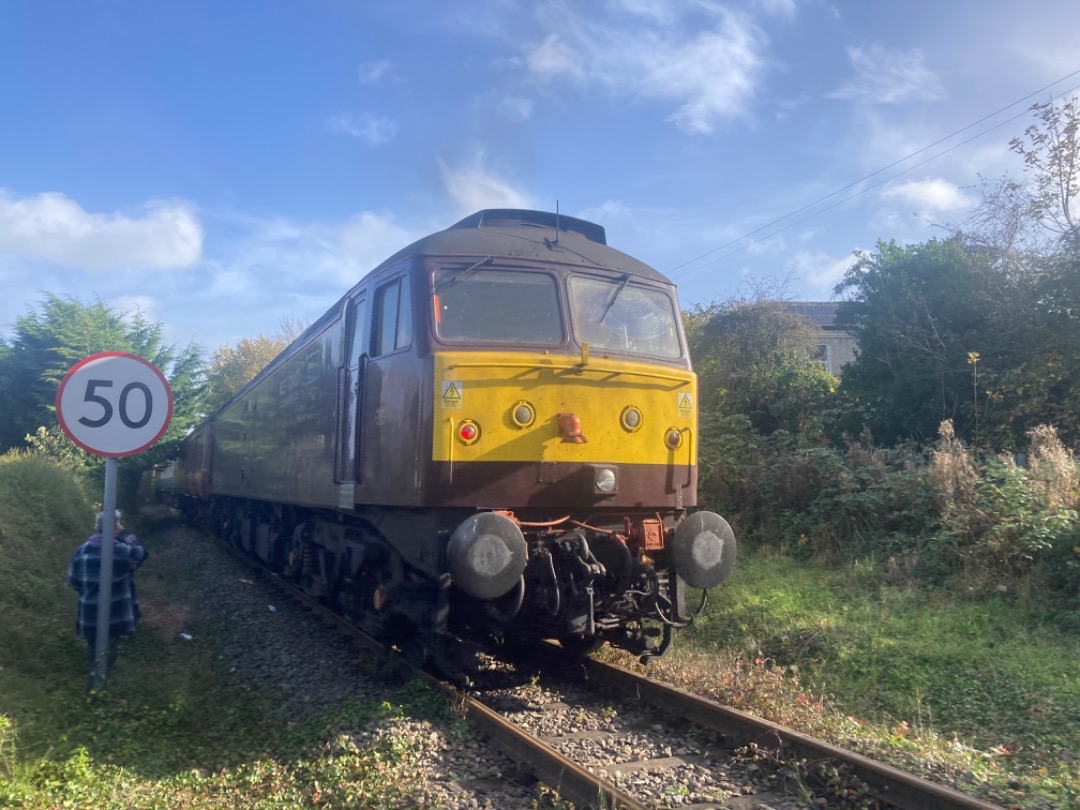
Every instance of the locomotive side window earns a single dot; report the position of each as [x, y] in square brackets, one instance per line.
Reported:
[357, 331]
[620, 316]
[392, 327]
[497, 306]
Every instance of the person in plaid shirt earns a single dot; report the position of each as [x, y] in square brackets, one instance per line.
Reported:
[83, 575]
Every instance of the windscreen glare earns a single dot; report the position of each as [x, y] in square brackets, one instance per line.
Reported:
[620, 316]
[497, 306]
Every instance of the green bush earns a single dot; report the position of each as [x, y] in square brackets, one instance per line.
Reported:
[932, 515]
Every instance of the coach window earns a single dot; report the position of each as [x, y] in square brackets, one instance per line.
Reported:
[392, 329]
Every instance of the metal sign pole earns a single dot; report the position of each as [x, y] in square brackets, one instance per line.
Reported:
[105, 577]
[103, 386]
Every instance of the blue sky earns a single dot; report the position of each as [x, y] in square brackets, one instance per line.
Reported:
[223, 165]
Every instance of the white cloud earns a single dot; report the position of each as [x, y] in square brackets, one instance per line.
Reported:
[932, 195]
[279, 268]
[715, 74]
[786, 9]
[372, 72]
[553, 57]
[658, 11]
[762, 244]
[146, 305]
[369, 238]
[818, 271]
[708, 62]
[473, 187]
[295, 254]
[889, 77]
[375, 130]
[55, 228]
[611, 213]
[516, 108]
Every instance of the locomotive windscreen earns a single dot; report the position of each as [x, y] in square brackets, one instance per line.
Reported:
[622, 317]
[497, 306]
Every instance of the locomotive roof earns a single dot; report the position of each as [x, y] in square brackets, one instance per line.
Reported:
[525, 234]
[498, 232]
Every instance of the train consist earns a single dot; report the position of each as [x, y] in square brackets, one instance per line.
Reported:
[492, 436]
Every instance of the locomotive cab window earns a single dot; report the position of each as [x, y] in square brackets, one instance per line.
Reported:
[497, 306]
[356, 331]
[623, 317]
[392, 327]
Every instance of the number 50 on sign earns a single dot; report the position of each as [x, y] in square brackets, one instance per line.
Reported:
[114, 404]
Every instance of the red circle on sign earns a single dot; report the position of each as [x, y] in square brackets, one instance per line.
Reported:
[111, 432]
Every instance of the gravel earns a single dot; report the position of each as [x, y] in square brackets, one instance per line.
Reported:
[274, 645]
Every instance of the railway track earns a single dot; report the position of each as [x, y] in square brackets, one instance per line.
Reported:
[606, 738]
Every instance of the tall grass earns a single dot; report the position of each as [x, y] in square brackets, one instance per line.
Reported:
[941, 515]
[175, 728]
[972, 689]
[45, 513]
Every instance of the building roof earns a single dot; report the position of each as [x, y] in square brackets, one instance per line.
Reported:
[821, 313]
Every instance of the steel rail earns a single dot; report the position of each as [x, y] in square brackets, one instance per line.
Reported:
[563, 775]
[892, 785]
[589, 792]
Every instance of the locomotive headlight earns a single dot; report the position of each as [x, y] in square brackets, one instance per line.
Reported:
[630, 418]
[523, 414]
[469, 432]
[673, 438]
[605, 480]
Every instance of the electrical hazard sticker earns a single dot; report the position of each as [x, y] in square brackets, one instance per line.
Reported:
[451, 394]
[686, 406]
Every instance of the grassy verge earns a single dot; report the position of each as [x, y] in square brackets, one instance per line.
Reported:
[975, 687]
[175, 730]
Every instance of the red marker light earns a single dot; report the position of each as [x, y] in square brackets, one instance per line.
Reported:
[673, 439]
[469, 432]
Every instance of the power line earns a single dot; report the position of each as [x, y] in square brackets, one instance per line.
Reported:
[829, 196]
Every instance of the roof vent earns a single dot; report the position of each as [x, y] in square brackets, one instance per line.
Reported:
[522, 218]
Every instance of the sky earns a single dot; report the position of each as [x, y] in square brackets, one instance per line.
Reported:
[222, 167]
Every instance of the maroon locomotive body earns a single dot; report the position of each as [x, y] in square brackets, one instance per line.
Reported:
[493, 434]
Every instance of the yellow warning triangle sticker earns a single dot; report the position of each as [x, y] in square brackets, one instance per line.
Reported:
[685, 401]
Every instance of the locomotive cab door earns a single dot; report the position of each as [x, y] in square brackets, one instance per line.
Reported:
[351, 392]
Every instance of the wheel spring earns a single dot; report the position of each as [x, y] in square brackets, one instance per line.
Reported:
[311, 559]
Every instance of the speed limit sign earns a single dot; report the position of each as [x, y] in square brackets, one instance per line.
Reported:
[114, 404]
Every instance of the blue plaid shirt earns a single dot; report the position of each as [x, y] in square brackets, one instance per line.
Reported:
[84, 573]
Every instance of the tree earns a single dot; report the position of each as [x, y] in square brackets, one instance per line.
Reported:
[1050, 376]
[48, 340]
[1051, 152]
[1025, 233]
[941, 333]
[753, 357]
[233, 367]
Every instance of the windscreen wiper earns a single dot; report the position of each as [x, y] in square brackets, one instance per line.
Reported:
[459, 275]
[611, 301]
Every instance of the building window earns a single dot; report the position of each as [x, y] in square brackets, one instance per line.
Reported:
[820, 354]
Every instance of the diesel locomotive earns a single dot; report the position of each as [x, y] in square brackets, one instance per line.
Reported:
[492, 437]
